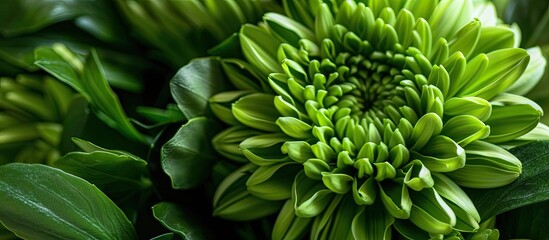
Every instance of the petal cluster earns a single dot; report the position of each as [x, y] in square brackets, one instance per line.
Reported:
[355, 119]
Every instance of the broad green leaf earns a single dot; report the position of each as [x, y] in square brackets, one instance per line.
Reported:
[41, 202]
[121, 176]
[188, 157]
[181, 220]
[531, 186]
[195, 83]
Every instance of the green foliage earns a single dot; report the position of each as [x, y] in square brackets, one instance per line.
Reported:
[40, 202]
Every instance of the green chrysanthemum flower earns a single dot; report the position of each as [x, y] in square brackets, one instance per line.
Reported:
[32, 110]
[354, 119]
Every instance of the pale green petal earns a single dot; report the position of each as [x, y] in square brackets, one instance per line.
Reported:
[512, 116]
[259, 47]
[396, 199]
[273, 182]
[245, 110]
[372, 223]
[488, 166]
[464, 129]
[288, 225]
[310, 196]
[532, 74]
[431, 213]
[449, 16]
[221, 105]
[232, 200]
[227, 142]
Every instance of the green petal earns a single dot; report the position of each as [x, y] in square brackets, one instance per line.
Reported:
[259, 47]
[221, 104]
[410, 231]
[439, 77]
[465, 40]
[273, 182]
[454, 194]
[335, 222]
[323, 23]
[441, 154]
[404, 27]
[426, 127]
[473, 106]
[475, 67]
[294, 127]
[421, 9]
[449, 16]
[232, 200]
[245, 110]
[456, 67]
[431, 213]
[488, 166]
[423, 39]
[418, 176]
[242, 75]
[485, 12]
[464, 129]
[504, 68]
[265, 149]
[512, 116]
[286, 29]
[227, 142]
[396, 199]
[532, 74]
[288, 225]
[494, 38]
[337, 182]
[300, 11]
[299, 151]
[372, 223]
[311, 197]
[364, 192]
[314, 168]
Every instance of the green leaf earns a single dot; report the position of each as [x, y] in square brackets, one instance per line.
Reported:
[121, 176]
[528, 222]
[195, 83]
[531, 186]
[187, 157]
[181, 221]
[40, 202]
[88, 78]
[104, 99]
